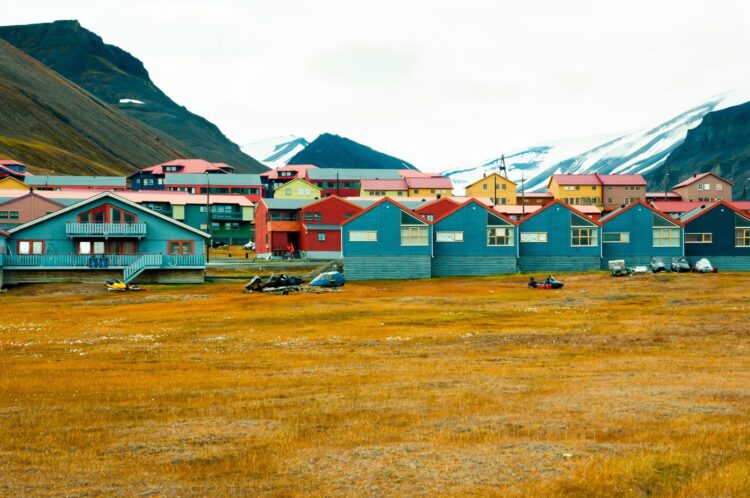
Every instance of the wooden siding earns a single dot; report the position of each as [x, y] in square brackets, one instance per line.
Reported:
[555, 220]
[444, 266]
[533, 264]
[471, 220]
[638, 222]
[387, 267]
[385, 219]
[720, 222]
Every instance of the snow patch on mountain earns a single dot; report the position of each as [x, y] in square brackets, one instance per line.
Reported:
[276, 151]
[637, 152]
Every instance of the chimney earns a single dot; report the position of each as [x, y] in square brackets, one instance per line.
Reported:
[695, 174]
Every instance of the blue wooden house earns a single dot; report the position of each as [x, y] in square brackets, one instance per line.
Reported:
[559, 238]
[720, 233]
[637, 232]
[105, 236]
[472, 239]
[387, 241]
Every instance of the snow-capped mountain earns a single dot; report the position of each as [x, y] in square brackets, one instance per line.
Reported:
[638, 152]
[276, 151]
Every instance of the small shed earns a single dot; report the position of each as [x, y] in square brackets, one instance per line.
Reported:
[558, 237]
[387, 241]
[473, 239]
[637, 232]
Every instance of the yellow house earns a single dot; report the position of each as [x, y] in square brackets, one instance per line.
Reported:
[505, 190]
[576, 190]
[10, 183]
[297, 189]
[426, 187]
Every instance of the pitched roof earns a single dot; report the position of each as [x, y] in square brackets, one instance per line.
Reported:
[429, 182]
[513, 209]
[393, 202]
[399, 184]
[490, 176]
[352, 174]
[697, 177]
[544, 195]
[83, 181]
[29, 194]
[575, 179]
[622, 209]
[298, 179]
[111, 195]
[561, 203]
[700, 211]
[11, 171]
[285, 203]
[211, 180]
[441, 200]
[199, 166]
[662, 195]
[299, 168]
[475, 201]
[677, 206]
[621, 179]
[331, 198]
[178, 198]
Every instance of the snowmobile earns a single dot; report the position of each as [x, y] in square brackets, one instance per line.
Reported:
[680, 264]
[119, 286]
[549, 283]
[657, 265]
[704, 266]
[259, 284]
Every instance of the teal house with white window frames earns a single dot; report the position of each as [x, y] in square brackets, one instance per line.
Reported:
[387, 241]
[473, 239]
[559, 238]
[105, 236]
[637, 232]
[720, 233]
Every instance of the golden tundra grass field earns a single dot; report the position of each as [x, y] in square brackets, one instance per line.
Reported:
[612, 387]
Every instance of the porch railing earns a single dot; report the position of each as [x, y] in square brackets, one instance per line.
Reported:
[97, 261]
[105, 229]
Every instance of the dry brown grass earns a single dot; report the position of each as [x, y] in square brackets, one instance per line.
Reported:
[629, 387]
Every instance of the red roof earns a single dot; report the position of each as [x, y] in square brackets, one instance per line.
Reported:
[198, 166]
[543, 195]
[413, 173]
[10, 161]
[301, 169]
[615, 214]
[429, 182]
[621, 179]
[509, 209]
[714, 206]
[384, 185]
[678, 206]
[696, 177]
[568, 206]
[478, 203]
[576, 179]
[395, 203]
[743, 205]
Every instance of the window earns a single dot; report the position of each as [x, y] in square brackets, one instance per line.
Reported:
[540, 237]
[609, 200]
[30, 247]
[4, 215]
[484, 186]
[666, 237]
[497, 236]
[504, 186]
[317, 216]
[416, 191]
[430, 217]
[321, 236]
[287, 191]
[698, 238]
[148, 181]
[719, 186]
[308, 216]
[363, 236]
[704, 186]
[347, 216]
[414, 235]
[13, 215]
[583, 237]
[227, 226]
[90, 247]
[742, 237]
[449, 236]
[616, 237]
[180, 247]
[107, 214]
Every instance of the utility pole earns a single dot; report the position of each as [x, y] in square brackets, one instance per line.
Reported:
[666, 182]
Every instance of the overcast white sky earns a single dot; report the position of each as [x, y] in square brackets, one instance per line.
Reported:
[438, 83]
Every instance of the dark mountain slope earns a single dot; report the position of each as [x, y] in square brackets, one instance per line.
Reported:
[112, 74]
[333, 151]
[51, 124]
[721, 144]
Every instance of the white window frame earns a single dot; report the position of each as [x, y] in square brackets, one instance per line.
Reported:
[363, 236]
[624, 238]
[509, 236]
[675, 241]
[593, 236]
[534, 237]
[703, 238]
[451, 237]
[719, 186]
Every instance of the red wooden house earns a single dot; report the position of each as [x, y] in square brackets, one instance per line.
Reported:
[321, 226]
[278, 226]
